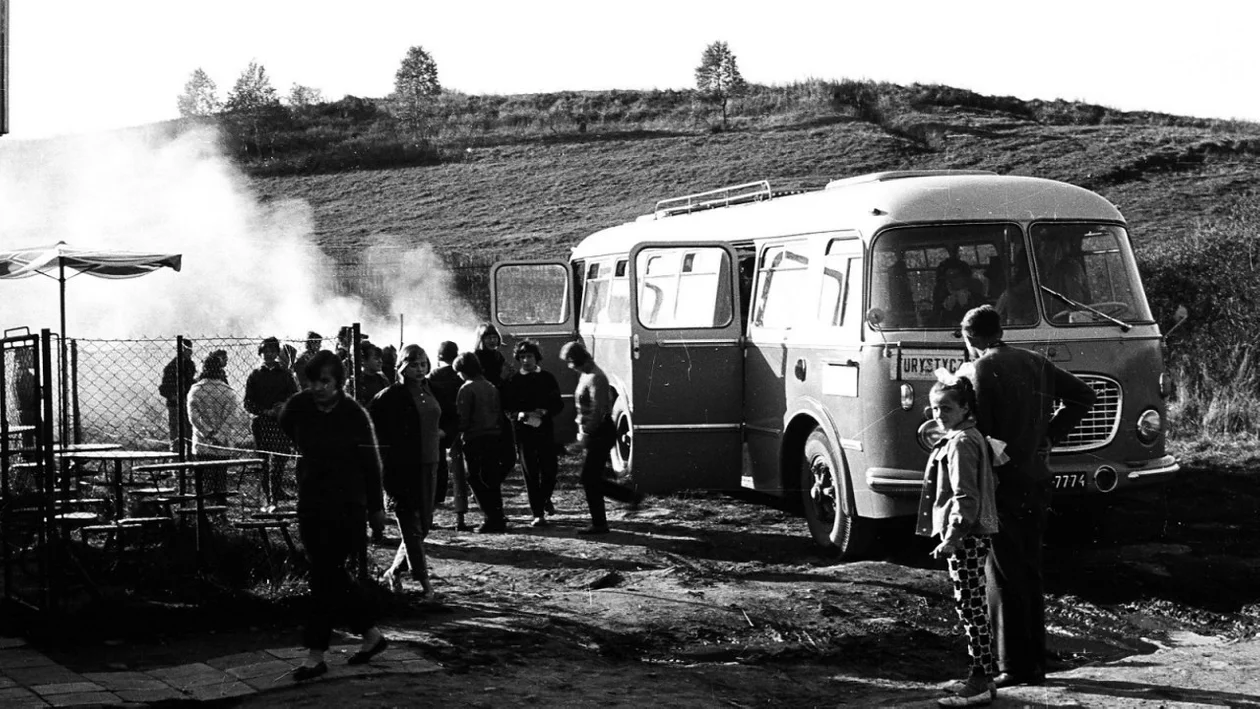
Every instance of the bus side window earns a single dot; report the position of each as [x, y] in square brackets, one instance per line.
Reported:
[595, 300]
[781, 275]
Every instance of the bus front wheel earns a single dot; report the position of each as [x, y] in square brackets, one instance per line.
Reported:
[822, 489]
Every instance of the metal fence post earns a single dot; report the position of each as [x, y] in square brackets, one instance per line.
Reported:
[74, 390]
[180, 398]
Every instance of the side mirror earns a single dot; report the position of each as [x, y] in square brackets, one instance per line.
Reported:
[1179, 317]
[874, 317]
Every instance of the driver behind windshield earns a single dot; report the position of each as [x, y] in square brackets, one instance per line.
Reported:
[1062, 272]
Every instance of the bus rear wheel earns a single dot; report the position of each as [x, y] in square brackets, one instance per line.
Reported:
[849, 536]
[623, 447]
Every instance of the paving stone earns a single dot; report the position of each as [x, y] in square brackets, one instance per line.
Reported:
[81, 699]
[52, 674]
[273, 668]
[184, 677]
[219, 691]
[47, 690]
[150, 696]
[115, 681]
[288, 653]
[239, 660]
[8, 643]
[23, 657]
[19, 698]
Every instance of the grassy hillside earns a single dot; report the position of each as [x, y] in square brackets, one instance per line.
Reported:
[522, 177]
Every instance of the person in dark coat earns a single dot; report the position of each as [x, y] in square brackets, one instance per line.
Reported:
[177, 378]
[531, 396]
[1016, 392]
[493, 366]
[266, 390]
[373, 381]
[406, 416]
[339, 488]
[481, 428]
[445, 384]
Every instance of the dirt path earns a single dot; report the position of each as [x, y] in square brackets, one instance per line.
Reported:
[707, 600]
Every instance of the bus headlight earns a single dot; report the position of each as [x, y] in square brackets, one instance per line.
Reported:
[907, 397]
[1149, 425]
[929, 434]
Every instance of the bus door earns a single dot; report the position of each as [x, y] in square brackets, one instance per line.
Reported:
[534, 300]
[684, 415]
[781, 300]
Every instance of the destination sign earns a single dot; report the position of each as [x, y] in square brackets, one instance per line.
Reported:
[921, 364]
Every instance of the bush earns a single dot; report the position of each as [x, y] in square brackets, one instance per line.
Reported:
[1214, 272]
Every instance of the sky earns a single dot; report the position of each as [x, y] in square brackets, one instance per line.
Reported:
[81, 66]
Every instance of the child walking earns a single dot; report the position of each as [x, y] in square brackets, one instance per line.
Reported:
[959, 507]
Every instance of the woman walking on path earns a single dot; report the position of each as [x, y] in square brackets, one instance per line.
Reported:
[532, 398]
[596, 434]
[958, 506]
[339, 486]
[406, 416]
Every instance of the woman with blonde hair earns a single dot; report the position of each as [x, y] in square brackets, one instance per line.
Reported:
[406, 417]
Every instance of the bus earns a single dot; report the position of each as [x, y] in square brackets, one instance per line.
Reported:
[784, 342]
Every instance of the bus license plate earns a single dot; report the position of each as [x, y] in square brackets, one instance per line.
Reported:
[1070, 481]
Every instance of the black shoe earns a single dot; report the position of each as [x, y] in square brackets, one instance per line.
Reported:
[549, 508]
[595, 529]
[303, 673]
[492, 528]
[362, 656]
[539, 521]
[464, 527]
[1008, 679]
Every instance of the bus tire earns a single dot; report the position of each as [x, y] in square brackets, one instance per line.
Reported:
[822, 490]
[622, 455]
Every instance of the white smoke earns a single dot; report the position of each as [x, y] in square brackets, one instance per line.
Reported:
[249, 268]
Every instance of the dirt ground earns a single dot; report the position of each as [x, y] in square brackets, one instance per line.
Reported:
[716, 601]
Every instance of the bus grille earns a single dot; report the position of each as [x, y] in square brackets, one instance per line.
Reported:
[1099, 426]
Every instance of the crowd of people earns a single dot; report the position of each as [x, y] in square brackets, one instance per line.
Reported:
[410, 434]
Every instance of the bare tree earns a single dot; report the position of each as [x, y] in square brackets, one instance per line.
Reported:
[199, 97]
[718, 78]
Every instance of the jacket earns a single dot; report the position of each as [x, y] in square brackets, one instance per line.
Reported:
[214, 412]
[480, 413]
[537, 390]
[339, 471]
[959, 487]
[407, 437]
[445, 384]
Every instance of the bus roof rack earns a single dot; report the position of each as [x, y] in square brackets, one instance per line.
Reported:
[722, 197]
[901, 175]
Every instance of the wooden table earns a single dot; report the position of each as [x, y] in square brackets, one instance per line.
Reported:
[118, 457]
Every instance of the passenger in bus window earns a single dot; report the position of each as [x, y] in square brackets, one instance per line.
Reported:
[1015, 391]
[1063, 273]
[596, 433]
[531, 396]
[961, 293]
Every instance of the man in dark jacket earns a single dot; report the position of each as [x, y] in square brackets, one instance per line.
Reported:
[445, 384]
[177, 379]
[1016, 392]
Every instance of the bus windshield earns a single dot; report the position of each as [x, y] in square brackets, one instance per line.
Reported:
[1087, 265]
[930, 276]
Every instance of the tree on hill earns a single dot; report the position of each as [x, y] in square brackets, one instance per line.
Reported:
[199, 97]
[253, 90]
[415, 81]
[718, 78]
[253, 112]
[302, 96]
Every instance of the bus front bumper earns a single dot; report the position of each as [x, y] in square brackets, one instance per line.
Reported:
[1067, 475]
